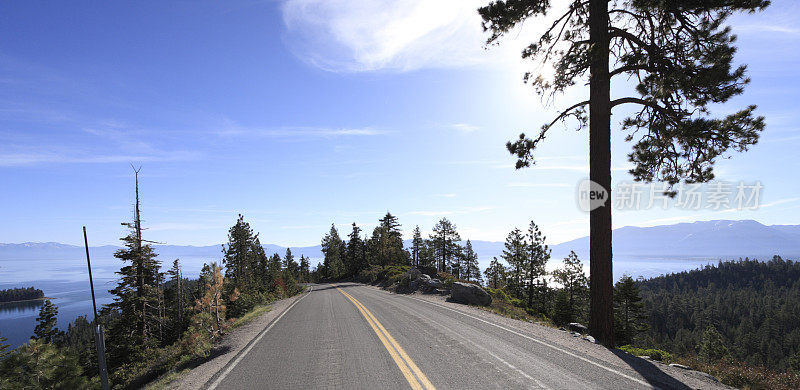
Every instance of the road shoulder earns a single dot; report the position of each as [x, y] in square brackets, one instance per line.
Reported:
[231, 345]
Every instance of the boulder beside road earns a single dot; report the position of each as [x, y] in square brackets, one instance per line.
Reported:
[470, 294]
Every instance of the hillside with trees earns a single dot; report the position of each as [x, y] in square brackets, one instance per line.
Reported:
[754, 305]
[159, 321]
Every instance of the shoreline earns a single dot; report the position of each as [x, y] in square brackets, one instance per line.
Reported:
[27, 300]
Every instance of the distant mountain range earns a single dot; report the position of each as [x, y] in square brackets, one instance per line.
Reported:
[702, 239]
[719, 238]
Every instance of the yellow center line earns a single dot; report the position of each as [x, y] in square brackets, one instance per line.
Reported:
[401, 358]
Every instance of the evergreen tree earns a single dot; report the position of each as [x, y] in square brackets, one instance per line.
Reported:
[427, 254]
[629, 317]
[575, 287]
[417, 246]
[42, 365]
[290, 266]
[495, 274]
[240, 256]
[333, 263]
[177, 300]
[274, 272]
[46, 323]
[472, 271]
[134, 315]
[304, 269]
[356, 252]
[445, 243]
[455, 267]
[680, 53]
[514, 254]
[388, 242]
[712, 346]
[534, 268]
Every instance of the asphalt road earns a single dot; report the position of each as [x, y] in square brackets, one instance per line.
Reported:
[358, 337]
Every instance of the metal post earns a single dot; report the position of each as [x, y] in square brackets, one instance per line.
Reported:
[99, 339]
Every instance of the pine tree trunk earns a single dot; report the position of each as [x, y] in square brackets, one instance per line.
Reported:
[601, 311]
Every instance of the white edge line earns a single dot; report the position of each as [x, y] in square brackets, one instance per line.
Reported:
[254, 342]
[542, 343]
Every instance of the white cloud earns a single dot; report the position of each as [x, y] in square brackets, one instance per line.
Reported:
[292, 132]
[353, 36]
[768, 28]
[33, 158]
[779, 202]
[532, 184]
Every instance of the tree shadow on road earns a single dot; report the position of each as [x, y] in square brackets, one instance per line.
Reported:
[651, 373]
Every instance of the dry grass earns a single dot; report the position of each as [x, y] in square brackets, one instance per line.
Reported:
[743, 376]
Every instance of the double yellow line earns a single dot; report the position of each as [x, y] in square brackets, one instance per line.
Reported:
[411, 372]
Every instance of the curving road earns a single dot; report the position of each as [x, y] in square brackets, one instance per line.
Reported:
[359, 337]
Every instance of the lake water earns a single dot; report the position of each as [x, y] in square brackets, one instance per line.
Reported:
[69, 285]
[73, 299]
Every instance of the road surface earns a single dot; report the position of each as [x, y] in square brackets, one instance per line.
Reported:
[352, 336]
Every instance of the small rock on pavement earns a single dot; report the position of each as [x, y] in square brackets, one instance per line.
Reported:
[590, 339]
[676, 365]
[470, 294]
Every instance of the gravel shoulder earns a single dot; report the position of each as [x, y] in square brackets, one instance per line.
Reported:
[231, 345]
[652, 370]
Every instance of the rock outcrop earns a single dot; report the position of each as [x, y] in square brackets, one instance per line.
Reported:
[470, 294]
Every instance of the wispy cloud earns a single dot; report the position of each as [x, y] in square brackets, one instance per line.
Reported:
[347, 36]
[770, 28]
[542, 185]
[779, 202]
[34, 158]
[466, 210]
[294, 132]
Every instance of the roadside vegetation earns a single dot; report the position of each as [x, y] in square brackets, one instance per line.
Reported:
[160, 323]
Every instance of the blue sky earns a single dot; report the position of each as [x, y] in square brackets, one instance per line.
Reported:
[301, 113]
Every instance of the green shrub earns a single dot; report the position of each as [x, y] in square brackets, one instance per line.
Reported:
[42, 365]
[655, 354]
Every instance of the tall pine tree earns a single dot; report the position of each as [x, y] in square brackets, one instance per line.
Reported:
[241, 256]
[495, 274]
[333, 263]
[514, 254]
[629, 316]
[135, 327]
[472, 271]
[536, 258]
[356, 252]
[417, 244]
[575, 286]
[445, 243]
[681, 55]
